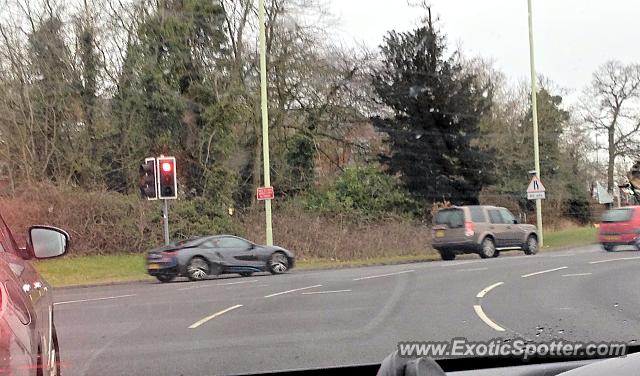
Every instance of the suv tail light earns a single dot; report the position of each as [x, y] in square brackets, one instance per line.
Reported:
[469, 228]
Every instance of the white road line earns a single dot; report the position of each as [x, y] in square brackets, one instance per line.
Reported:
[217, 284]
[94, 299]
[543, 271]
[460, 263]
[324, 292]
[576, 274]
[471, 269]
[294, 290]
[566, 255]
[486, 319]
[383, 275]
[484, 291]
[200, 322]
[616, 259]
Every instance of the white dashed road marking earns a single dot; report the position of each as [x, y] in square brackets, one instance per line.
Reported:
[94, 299]
[445, 264]
[217, 284]
[383, 275]
[543, 271]
[204, 320]
[472, 269]
[324, 292]
[576, 274]
[486, 319]
[484, 291]
[294, 290]
[616, 259]
[481, 313]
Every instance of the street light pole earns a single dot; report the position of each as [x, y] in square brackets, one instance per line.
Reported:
[534, 108]
[265, 120]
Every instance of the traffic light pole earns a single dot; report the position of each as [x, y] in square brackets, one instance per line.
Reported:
[265, 120]
[165, 221]
[534, 110]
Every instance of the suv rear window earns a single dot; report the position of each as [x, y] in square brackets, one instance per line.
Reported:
[450, 217]
[477, 214]
[617, 215]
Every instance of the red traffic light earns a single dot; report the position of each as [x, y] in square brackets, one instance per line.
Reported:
[167, 184]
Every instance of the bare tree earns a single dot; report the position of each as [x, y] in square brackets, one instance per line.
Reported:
[610, 107]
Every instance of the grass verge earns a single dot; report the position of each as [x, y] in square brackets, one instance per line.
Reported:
[317, 263]
[85, 270]
[572, 237]
[82, 270]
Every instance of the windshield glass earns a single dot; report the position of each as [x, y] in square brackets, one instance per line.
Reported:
[191, 241]
[451, 218]
[260, 185]
[617, 215]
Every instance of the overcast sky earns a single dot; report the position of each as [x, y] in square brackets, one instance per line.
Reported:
[572, 37]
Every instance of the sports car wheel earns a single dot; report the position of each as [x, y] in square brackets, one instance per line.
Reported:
[278, 263]
[197, 269]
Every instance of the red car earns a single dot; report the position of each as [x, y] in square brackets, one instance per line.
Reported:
[28, 340]
[620, 226]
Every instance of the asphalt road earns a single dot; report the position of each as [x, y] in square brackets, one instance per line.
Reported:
[347, 316]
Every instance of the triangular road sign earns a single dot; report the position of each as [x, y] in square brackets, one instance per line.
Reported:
[535, 185]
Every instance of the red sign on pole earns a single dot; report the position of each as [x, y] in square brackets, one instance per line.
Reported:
[265, 193]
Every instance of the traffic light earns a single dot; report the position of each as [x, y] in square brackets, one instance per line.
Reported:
[168, 187]
[148, 179]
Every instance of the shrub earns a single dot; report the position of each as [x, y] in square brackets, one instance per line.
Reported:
[199, 216]
[362, 192]
[311, 236]
[577, 206]
[110, 222]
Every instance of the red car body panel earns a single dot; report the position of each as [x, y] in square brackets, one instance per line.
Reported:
[26, 311]
[625, 232]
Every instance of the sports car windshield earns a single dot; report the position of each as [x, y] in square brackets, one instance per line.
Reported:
[406, 174]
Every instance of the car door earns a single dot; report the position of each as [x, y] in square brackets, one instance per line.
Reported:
[37, 291]
[17, 339]
[513, 232]
[18, 333]
[498, 228]
[238, 250]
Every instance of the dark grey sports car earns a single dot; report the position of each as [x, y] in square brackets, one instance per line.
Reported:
[200, 257]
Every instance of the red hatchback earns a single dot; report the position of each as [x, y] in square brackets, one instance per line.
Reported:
[620, 226]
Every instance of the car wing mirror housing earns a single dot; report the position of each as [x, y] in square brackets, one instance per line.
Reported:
[47, 242]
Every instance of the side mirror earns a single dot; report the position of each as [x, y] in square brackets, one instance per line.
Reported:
[46, 242]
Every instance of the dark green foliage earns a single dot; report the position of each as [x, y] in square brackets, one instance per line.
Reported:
[552, 120]
[55, 92]
[576, 206]
[362, 192]
[436, 111]
[199, 216]
[167, 102]
[85, 101]
[300, 159]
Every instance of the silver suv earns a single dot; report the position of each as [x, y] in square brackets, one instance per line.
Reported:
[485, 230]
